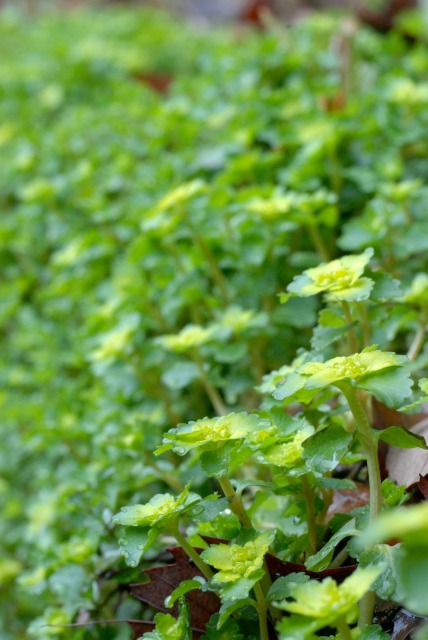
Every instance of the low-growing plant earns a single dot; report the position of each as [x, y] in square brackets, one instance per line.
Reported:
[148, 239]
[287, 455]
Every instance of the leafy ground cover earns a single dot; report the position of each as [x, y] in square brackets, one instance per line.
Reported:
[213, 248]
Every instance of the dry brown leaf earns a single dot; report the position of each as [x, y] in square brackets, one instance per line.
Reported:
[345, 500]
[404, 466]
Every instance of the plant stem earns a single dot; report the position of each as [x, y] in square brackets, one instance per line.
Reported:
[262, 611]
[235, 502]
[367, 604]
[418, 340]
[369, 444]
[214, 396]
[343, 628]
[216, 274]
[370, 448]
[192, 553]
[365, 325]
[238, 509]
[310, 514]
[318, 242]
[339, 559]
[352, 338]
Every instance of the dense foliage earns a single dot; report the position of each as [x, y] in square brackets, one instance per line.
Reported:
[145, 238]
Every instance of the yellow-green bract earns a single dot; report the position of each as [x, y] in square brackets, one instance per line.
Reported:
[329, 601]
[159, 508]
[339, 279]
[208, 431]
[317, 375]
[236, 561]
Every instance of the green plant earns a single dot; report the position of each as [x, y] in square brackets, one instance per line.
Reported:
[147, 240]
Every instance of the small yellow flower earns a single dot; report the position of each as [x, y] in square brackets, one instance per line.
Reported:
[157, 510]
[205, 432]
[329, 601]
[238, 561]
[418, 292]
[191, 337]
[340, 280]
[317, 375]
[287, 454]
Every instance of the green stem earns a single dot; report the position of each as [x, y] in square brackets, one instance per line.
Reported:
[336, 178]
[418, 340]
[366, 606]
[216, 274]
[310, 514]
[262, 611]
[238, 509]
[214, 396]
[343, 628]
[352, 338]
[318, 242]
[369, 445]
[365, 325]
[192, 553]
[339, 559]
[235, 501]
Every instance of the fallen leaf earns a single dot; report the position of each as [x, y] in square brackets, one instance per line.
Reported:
[279, 568]
[255, 10]
[384, 417]
[157, 81]
[384, 20]
[404, 623]
[163, 581]
[203, 604]
[404, 466]
[345, 500]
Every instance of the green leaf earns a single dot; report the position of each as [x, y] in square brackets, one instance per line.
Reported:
[134, 541]
[297, 628]
[331, 327]
[228, 608]
[412, 571]
[373, 632]
[390, 387]
[240, 589]
[216, 462]
[320, 561]
[170, 628]
[231, 353]
[385, 557]
[180, 375]
[394, 495]
[282, 588]
[208, 509]
[324, 450]
[400, 437]
[385, 287]
[409, 524]
[185, 587]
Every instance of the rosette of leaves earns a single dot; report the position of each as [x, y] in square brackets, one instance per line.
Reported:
[286, 451]
[340, 280]
[320, 604]
[169, 628]
[381, 373]
[162, 513]
[241, 571]
[221, 441]
[190, 337]
[240, 566]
